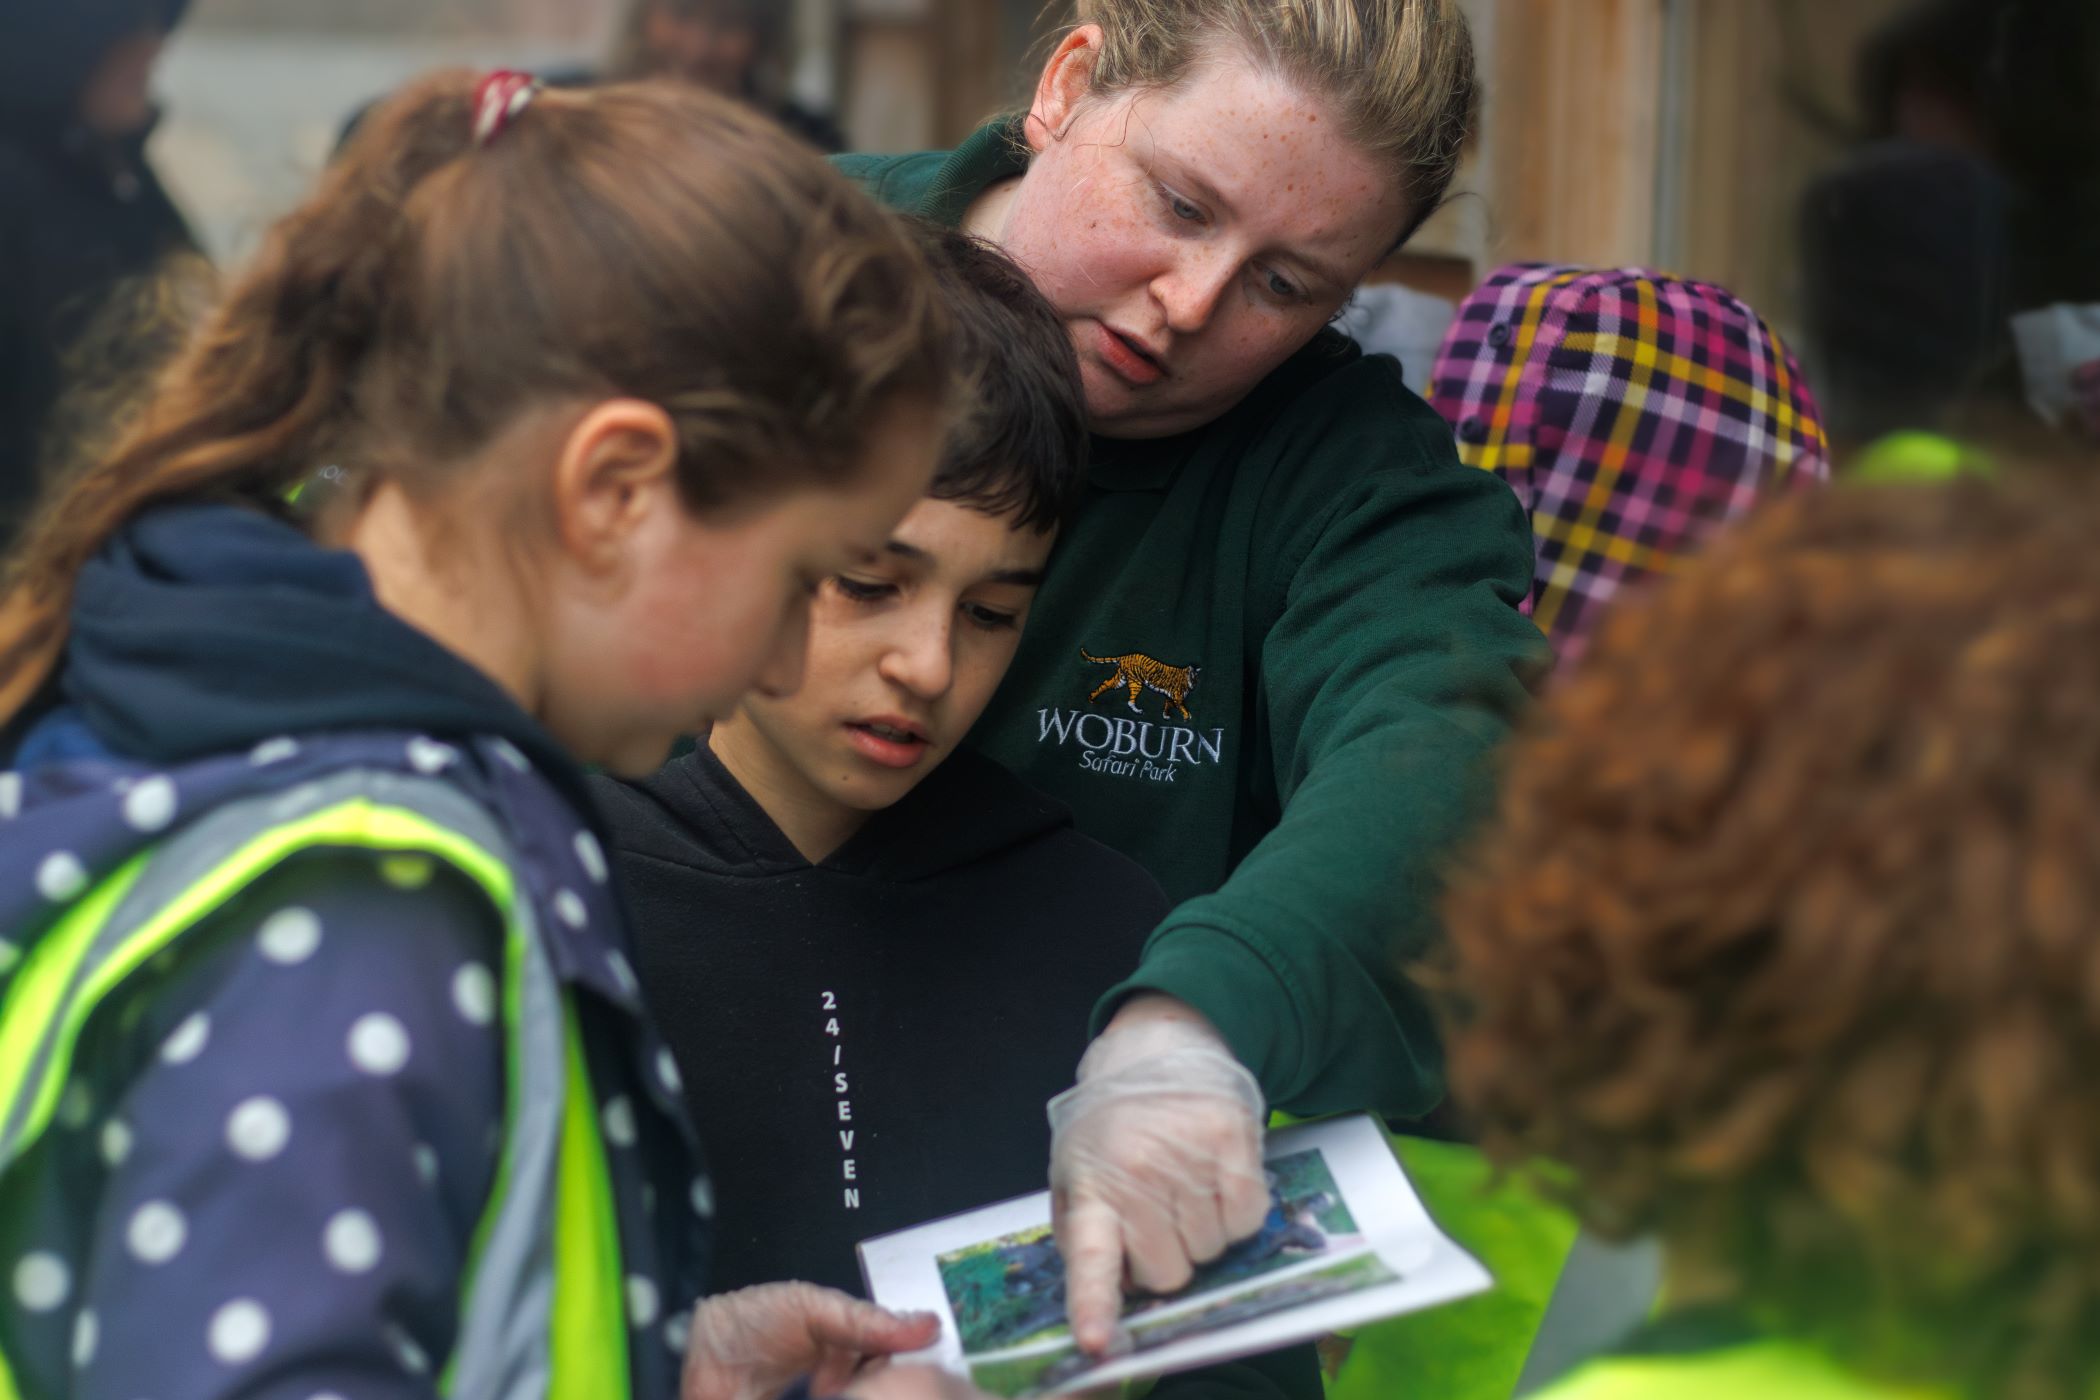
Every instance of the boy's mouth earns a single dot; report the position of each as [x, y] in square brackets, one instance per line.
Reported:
[890, 741]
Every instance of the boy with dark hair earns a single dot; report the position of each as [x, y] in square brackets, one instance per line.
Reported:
[873, 951]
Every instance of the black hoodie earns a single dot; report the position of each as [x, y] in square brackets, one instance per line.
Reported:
[80, 215]
[870, 1039]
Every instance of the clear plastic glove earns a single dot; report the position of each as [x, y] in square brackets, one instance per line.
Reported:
[750, 1344]
[913, 1383]
[1155, 1161]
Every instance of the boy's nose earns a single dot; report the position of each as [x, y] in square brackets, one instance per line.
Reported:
[922, 664]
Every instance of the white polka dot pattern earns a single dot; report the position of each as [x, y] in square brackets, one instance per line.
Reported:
[187, 1041]
[239, 1332]
[641, 1300]
[474, 994]
[378, 1044]
[150, 806]
[290, 936]
[619, 1121]
[427, 755]
[258, 1128]
[408, 1351]
[426, 1159]
[116, 1142]
[591, 856]
[60, 877]
[42, 1281]
[156, 1233]
[351, 1242]
[273, 751]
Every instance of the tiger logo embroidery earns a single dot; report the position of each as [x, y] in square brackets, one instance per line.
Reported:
[1138, 673]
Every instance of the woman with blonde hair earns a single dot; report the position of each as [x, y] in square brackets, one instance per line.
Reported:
[1282, 635]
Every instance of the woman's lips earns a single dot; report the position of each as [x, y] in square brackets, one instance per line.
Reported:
[1130, 363]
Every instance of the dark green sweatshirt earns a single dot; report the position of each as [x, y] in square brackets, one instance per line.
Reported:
[1270, 663]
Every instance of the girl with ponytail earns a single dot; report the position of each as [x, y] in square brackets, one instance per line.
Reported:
[322, 1069]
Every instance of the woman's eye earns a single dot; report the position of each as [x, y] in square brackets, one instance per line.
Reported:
[861, 591]
[1181, 208]
[1281, 286]
[990, 619]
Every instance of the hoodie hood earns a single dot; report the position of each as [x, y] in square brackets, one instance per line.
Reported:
[49, 47]
[203, 629]
[693, 813]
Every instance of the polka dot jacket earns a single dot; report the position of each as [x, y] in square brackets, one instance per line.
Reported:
[267, 1166]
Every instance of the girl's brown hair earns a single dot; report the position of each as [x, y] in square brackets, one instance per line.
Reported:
[648, 240]
[1785, 942]
[1400, 72]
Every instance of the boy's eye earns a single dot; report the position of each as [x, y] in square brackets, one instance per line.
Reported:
[860, 590]
[990, 619]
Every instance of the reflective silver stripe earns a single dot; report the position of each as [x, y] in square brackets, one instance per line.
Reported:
[506, 1311]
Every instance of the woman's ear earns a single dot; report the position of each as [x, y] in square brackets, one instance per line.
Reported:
[1067, 78]
[616, 466]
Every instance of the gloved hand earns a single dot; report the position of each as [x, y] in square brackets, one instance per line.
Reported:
[748, 1345]
[1155, 1160]
[913, 1383]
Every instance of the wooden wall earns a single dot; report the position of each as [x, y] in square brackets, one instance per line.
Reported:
[1674, 133]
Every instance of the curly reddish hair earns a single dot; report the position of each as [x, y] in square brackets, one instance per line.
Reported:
[1785, 943]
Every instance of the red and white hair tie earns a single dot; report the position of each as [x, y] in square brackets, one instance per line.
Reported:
[498, 98]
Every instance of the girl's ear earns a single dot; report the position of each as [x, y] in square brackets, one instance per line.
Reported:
[617, 465]
[1067, 78]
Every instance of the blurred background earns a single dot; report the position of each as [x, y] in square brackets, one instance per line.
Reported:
[1741, 141]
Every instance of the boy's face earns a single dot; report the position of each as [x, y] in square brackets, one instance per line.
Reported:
[903, 655]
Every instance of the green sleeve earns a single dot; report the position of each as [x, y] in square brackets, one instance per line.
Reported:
[901, 182]
[1396, 664]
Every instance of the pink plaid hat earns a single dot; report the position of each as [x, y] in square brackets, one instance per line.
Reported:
[1634, 413]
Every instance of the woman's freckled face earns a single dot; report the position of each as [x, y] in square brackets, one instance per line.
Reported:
[1194, 237]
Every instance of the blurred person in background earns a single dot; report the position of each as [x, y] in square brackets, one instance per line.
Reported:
[81, 213]
[736, 47]
[1782, 945]
[1970, 198]
[1633, 413]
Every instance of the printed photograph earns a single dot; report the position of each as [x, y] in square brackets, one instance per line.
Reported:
[1010, 1291]
[1034, 1372]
